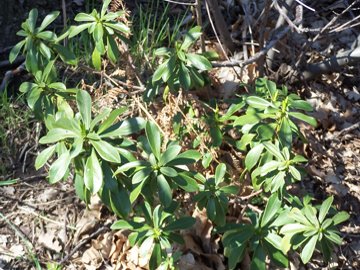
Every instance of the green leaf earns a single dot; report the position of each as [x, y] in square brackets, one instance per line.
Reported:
[230, 189]
[180, 224]
[111, 119]
[106, 151]
[154, 138]
[165, 193]
[190, 37]
[83, 101]
[220, 173]
[274, 150]
[186, 182]
[59, 167]
[308, 249]
[258, 259]
[168, 171]
[269, 167]
[26, 87]
[253, 156]
[259, 103]
[75, 30]
[83, 17]
[123, 225]
[44, 156]
[124, 128]
[308, 119]
[31, 21]
[293, 228]
[132, 164]
[170, 153]
[134, 194]
[58, 86]
[324, 209]
[247, 119]
[160, 71]
[98, 33]
[101, 116]
[333, 237]
[340, 217]
[65, 54]
[93, 175]
[272, 207]
[120, 27]
[104, 7]
[295, 173]
[15, 51]
[211, 209]
[96, 59]
[48, 20]
[47, 36]
[141, 175]
[57, 134]
[184, 158]
[301, 105]
[120, 202]
[199, 61]
[184, 77]
[112, 50]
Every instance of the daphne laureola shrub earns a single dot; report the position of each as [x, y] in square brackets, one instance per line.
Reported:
[105, 159]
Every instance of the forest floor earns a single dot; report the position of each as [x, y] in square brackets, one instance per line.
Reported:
[48, 223]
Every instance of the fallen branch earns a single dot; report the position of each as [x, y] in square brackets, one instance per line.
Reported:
[332, 64]
[9, 75]
[255, 57]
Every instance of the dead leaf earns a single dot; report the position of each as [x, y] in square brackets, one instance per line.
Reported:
[92, 258]
[49, 241]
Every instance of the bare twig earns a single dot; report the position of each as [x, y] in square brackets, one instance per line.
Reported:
[283, 14]
[348, 129]
[199, 23]
[9, 75]
[221, 25]
[254, 58]
[332, 64]
[84, 241]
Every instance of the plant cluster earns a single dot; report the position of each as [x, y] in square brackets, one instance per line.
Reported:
[127, 162]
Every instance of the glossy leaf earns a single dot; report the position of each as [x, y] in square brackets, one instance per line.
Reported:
[83, 101]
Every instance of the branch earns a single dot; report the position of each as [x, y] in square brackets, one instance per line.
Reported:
[254, 58]
[332, 64]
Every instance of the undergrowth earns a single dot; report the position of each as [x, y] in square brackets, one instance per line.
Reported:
[130, 160]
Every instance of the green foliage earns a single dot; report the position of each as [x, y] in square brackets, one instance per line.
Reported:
[104, 29]
[162, 171]
[45, 94]
[180, 68]
[154, 232]
[151, 29]
[310, 229]
[91, 145]
[213, 195]
[110, 158]
[260, 237]
[39, 45]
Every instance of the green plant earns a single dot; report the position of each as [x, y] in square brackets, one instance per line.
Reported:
[269, 115]
[151, 29]
[273, 173]
[213, 195]
[161, 171]
[90, 144]
[40, 45]
[180, 68]
[310, 229]
[154, 232]
[260, 237]
[104, 30]
[45, 95]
